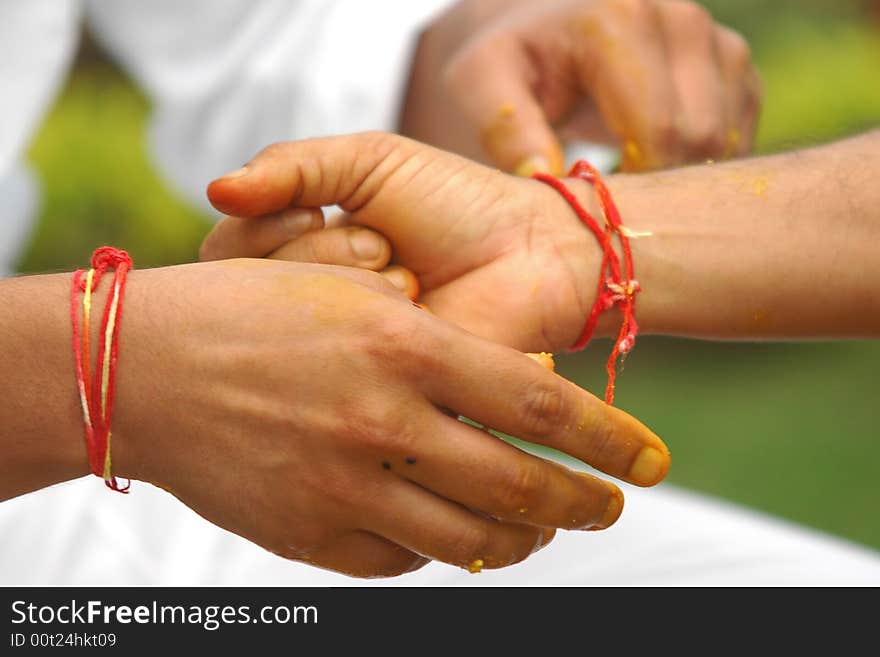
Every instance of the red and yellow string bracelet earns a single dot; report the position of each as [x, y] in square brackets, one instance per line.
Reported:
[97, 399]
[617, 286]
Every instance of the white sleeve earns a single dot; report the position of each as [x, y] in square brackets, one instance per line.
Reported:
[228, 77]
[37, 43]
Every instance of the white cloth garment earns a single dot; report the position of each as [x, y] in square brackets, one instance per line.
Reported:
[80, 533]
[228, 77]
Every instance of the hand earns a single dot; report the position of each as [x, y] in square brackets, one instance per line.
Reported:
[503, 257]
[302, 407]
[509, 81]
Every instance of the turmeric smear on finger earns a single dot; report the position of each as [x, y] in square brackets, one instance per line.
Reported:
[544, 359]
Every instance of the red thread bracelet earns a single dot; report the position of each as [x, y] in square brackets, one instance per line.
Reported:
[616, 287]
[97, 402]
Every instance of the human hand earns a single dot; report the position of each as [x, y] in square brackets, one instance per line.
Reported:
[508, 82]
[503, 257]
[308, 408]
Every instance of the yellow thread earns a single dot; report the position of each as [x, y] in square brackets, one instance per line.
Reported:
[105, 373]
[87, 308]
[87, 298]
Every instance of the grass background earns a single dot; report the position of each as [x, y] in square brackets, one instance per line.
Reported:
[791, 429]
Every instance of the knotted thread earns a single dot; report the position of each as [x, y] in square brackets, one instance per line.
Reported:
[97, 403]
[617, 287]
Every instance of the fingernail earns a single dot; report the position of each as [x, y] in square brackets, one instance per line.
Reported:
[396, 277]
[297, 222]
[404, 280]
[649, 467]
[531, 165]
[238, 173]
[612, 511]
[365, 245]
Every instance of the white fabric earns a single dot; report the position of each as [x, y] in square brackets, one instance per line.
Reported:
[228, 77]
[79, 533]
[37, 40]
[19, 203]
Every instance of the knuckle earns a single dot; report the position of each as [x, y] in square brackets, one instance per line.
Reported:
[544, 408]
[469, 542]
[666, 131]
[641, 11]
[707, 140]
[407, 340]
[379, 144]
[519, 488]
[629, 6]
[275, 150]
[308, 539]
[695, 16]
[736, 48]
[604, 436]
[389, 330]
[380, 427]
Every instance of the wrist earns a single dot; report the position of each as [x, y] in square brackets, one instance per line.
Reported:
[580, 254]
[135, 448]
[40, 418]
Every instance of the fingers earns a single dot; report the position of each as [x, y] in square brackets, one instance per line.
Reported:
[349, 246]
[716, 82]
[697, 76]
[404, 280]
[362, 554]
[625, 68]
[237, 237]
[503, 389]
[669, 82]
[743, 89]
[490, 80]
[513, 485]
[347, 171]
[442, 530]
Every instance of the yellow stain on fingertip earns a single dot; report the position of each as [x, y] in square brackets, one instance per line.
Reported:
[531, 165]
[633, 156]
[649, 467]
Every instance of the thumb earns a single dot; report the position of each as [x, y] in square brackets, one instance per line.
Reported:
[347, 171]
[491, 81]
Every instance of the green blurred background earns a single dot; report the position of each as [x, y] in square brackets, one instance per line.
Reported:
[790, 429]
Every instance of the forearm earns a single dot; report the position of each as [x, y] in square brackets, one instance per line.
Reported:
[40, 423]
[786, 246]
